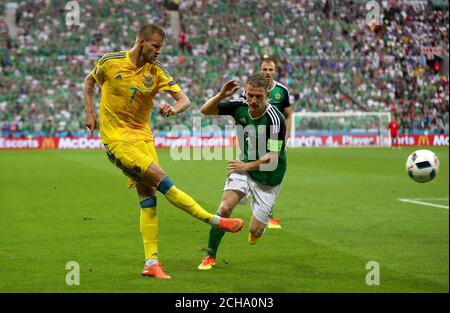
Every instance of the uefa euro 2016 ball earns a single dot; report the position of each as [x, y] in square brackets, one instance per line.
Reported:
[422, 165]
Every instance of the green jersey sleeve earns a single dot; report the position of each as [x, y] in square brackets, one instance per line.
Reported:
[230, 107]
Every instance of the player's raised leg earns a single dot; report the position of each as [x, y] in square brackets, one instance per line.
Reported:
[256, 230]
[149, 230]
[264, 198]
[156, 177]
[230, 199]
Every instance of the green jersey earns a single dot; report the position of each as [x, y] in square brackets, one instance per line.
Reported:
[259, 136]
[279, 96]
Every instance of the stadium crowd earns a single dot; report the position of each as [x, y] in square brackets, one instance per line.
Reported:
[328, 56]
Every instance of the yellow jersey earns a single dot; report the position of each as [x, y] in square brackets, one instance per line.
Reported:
[127, 96]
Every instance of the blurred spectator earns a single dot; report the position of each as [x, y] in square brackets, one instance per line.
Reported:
[330, 59]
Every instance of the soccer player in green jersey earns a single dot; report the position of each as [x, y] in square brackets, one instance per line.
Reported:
[261, 131]
[279, 98]
[278, 93]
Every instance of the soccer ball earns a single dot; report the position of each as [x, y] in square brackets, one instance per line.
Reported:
[422, 165]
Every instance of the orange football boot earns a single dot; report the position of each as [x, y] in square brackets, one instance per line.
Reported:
[274, 223]
[251, 239]
[155, 271]
[207, 263]
[232, 225]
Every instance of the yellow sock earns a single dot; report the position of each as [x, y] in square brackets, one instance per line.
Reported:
[183, 201]
[149, 231]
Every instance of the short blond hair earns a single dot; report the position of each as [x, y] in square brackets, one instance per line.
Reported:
[147, 30]
[258, 81]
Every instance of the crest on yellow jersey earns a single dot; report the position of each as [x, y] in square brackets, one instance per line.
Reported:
[148, 80]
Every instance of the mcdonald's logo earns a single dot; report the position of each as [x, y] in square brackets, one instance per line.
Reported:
[48, 143]
[424, 140]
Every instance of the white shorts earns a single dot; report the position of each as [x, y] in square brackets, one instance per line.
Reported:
[263, 196]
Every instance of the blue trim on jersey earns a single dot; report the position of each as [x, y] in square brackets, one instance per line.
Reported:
[157, 63]
[109, 56]
[148, 203]
[165, 184]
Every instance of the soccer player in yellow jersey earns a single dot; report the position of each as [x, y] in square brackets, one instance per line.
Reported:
[130, 80]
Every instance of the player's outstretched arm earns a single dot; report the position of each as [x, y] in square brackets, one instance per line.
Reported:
[182, 104]
[227, 90]
[88, 92]
[242, 167]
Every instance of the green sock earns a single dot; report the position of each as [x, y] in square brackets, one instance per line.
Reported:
[215, 236]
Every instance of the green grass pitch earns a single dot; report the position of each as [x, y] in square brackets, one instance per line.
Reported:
[339, 209]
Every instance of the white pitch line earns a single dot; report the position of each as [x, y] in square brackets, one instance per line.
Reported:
[424, 203]
[437, 199]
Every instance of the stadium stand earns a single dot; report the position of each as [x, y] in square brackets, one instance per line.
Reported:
[328, 56]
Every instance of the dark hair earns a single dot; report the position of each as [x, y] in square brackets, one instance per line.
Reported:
[258, 81]
[147, 30]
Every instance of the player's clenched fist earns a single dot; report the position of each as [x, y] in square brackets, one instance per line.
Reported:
[166, 110]
[90, 123]
[229, 88]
